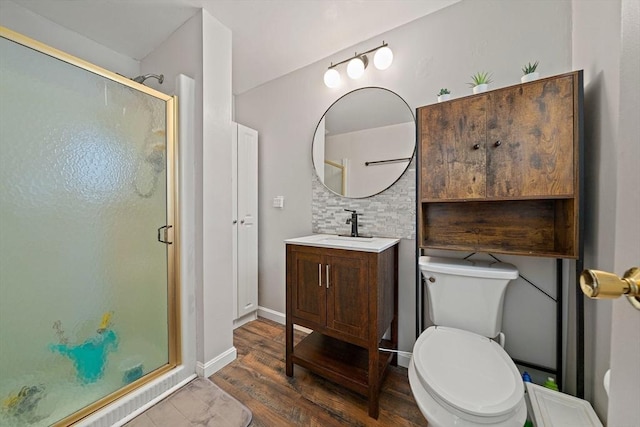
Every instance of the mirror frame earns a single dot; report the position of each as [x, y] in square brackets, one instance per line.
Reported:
[411, 157]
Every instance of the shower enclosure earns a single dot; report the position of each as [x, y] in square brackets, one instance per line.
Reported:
[87, 277]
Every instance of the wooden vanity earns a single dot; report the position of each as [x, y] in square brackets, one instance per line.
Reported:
[346, 291]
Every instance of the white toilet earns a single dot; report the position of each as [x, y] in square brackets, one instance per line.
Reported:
[458, 376]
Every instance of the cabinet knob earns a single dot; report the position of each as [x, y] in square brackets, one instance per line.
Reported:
[497, 144]
[476, 146]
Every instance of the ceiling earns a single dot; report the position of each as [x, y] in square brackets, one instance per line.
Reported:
[270, 37]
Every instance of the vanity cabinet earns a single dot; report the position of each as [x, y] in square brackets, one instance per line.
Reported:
[330, 291]
[499, 171]
[349, 299]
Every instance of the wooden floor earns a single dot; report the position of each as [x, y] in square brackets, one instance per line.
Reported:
[257, 379]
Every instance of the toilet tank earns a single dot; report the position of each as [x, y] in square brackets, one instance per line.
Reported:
[466, 294]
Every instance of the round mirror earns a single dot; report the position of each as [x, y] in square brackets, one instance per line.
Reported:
[364, 142]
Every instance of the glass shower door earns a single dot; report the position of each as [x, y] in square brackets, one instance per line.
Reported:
[86, 287]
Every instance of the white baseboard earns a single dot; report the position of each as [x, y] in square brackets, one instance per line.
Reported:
[214, 365]
[245, 319]
[281, 318]
[276, 316]
[403, 360]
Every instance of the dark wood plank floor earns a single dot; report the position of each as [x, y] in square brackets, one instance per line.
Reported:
[257, 379]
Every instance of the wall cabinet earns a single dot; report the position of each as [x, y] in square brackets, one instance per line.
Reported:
[245, 220]
[499, 171]
[349, 298]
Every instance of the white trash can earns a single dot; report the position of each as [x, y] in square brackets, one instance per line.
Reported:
[550, 408]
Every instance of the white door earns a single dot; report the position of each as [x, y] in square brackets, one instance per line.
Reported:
[625, 324]
[245, 215]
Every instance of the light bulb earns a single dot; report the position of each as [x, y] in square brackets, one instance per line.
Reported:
[355, 68]
[332, 78]
[383, 58]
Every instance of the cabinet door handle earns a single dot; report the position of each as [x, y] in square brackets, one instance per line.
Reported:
[327, 278]
[476, 146]
[497, 143]
[319, 274]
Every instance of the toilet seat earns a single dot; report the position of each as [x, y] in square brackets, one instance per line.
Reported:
[469, 375]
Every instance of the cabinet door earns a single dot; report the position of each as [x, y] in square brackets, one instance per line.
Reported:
[308, 288]
[348, 294]
[246, 215]
[530, 144]
[452, 138]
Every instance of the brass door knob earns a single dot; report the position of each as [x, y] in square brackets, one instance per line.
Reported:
[603, 285]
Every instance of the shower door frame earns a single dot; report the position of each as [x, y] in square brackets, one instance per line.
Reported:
[172, 198]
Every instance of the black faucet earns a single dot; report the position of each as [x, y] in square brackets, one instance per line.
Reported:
[354, 222]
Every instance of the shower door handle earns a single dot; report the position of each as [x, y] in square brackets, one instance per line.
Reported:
[166, 230]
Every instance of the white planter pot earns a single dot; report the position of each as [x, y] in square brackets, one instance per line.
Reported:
[480, 88]
[530, 77]
[445, 97]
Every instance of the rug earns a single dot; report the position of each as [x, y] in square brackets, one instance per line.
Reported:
[199, 403]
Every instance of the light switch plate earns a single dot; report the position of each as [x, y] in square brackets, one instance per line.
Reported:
[278, 202]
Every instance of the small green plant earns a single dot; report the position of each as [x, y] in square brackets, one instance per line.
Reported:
[444, 91]
[480, 78]
[530, 68]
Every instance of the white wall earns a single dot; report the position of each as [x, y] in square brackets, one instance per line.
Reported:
[181, 53]
[201, 48]
[36, 27]
[185, 149]
[217, 271]
[440, 50]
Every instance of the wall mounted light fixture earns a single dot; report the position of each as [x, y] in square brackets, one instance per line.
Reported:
[358, 63]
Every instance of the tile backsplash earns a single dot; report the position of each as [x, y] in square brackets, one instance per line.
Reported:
[391, 213]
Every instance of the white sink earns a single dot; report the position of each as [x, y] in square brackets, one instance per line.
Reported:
[350, 239]
[366, 244]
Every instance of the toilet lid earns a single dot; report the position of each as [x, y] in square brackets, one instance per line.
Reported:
[468, 372]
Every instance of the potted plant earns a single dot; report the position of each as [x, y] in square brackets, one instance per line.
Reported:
[444, 95]
[480, 81]
[530, 73]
